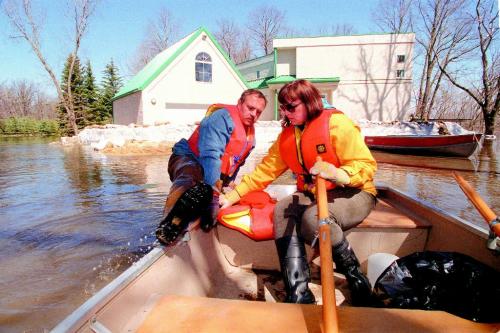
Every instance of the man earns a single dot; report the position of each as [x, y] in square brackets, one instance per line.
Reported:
[209, 160]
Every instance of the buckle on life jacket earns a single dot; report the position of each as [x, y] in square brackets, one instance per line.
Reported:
[253, 216]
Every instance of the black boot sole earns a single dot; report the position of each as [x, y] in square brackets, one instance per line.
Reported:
[187, 209]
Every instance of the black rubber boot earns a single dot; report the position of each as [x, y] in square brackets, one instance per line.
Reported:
[188, 208]
[347, 263]
[295, 270]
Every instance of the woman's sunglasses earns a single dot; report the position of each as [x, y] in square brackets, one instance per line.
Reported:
[290, 108]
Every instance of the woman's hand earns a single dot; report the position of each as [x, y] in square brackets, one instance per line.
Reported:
[229, 199]
[330, 172]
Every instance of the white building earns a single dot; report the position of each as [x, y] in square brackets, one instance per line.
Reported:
[366, 76]
[179, 84]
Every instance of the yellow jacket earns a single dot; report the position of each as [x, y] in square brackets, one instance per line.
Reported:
[354, 156]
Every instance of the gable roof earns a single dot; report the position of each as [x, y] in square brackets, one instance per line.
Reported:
[283, 79]
[163, 59]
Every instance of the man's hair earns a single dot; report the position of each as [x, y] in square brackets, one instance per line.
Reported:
[249, 92]
[306, 92]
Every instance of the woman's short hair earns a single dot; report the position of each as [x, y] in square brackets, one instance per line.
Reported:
[306, 92]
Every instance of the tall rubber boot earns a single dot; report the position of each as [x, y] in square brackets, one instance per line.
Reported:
[295, 270]
[347, 263]
[186, 209]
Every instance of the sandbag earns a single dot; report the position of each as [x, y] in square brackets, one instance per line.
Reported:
[447, 281]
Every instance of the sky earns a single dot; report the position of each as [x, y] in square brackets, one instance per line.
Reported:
[118, 27]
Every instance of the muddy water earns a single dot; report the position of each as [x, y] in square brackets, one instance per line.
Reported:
[71, 219]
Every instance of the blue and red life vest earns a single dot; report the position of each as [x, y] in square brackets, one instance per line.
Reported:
[239, 146]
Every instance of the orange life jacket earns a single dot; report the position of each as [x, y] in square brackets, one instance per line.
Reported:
[239, 146]
[252, 216]
[314, 141]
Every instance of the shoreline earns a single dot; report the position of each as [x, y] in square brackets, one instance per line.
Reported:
[159, 139]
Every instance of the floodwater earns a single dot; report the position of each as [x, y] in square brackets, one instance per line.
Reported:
[72, 219]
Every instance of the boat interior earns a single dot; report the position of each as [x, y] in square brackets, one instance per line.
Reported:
[223, 281]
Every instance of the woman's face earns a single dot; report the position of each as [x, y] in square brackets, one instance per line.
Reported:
[295, 111]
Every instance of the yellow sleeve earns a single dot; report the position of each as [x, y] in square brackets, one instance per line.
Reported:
[354, 156]
[270, 168]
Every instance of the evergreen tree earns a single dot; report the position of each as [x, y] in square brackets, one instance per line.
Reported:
[90, 94]
[111, 83]
[76, 89]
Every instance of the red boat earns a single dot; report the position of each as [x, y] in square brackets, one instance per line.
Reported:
[463, 145]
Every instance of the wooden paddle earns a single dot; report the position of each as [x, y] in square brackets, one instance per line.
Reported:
[488, 215]
[330, 320]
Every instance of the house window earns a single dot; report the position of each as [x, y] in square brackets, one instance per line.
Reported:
[258, 74]
[203, 67]
[401, 58]
[400, 73]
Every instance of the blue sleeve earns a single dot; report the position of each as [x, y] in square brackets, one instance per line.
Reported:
[215, 132]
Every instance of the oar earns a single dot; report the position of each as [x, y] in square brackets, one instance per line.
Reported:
[489, 216]
[325, 250]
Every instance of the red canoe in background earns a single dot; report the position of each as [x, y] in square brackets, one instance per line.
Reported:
[463, 145]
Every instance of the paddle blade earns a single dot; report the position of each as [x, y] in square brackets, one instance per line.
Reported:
[485, 211]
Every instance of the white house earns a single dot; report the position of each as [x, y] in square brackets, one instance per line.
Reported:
[180, 83]
[366, 76]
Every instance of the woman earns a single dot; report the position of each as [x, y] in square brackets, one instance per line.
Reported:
[310, 131]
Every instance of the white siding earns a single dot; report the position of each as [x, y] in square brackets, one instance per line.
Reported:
[177, 86]
[127, 110]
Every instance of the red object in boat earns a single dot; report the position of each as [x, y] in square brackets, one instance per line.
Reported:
[462, 145]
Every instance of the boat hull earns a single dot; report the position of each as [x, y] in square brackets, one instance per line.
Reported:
[210, 268]
[432, 145]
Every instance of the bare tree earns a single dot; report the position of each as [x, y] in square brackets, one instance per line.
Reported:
[393, 15]
[265, 24]
[27, 26]
[228, 35]
[344, 29]
[439, 31]
[25, 99]
[233, 40]
[245, 51]
[159, 35]
[486, 90]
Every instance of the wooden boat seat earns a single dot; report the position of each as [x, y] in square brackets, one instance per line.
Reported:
[387, 229]
[386, 216]
[201, 314]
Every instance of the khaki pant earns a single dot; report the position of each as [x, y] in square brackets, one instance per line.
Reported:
[297, 214]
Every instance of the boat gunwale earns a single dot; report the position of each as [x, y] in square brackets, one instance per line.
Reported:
[90, 307]
[475, 229]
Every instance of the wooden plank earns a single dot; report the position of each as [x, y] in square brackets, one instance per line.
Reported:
[386, 216]
[198, 314]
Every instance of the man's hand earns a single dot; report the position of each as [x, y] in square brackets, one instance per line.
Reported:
[229, 187]
[330, 172]
[208, 218]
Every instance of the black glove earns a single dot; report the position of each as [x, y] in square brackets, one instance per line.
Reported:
[209, 216]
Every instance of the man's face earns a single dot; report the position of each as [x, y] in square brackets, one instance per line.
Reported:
[251, 109]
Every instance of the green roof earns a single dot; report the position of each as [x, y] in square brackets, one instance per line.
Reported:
[290, 78]
[258, 84]
[161, 61]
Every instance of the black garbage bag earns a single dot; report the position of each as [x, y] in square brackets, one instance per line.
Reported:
[447, 281]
